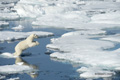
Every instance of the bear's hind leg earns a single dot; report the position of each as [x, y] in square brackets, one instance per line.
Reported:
[18, 53]
[14, 53]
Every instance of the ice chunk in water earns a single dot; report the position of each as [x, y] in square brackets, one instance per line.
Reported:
[7, 55]
[18, 28]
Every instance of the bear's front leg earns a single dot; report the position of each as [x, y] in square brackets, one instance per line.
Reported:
[34, 44]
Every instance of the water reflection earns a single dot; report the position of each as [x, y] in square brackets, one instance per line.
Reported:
[107, 79]
[20, 67]
[33, 73]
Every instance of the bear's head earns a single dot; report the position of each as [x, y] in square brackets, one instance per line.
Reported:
[31, 37]
[34, 36]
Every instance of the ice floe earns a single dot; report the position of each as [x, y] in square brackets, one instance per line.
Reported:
[10, 1]
[95, 73]
[16, 78]
[9, 69]
[100, 5]
[37, 8]
[3, 23]
[108, 18]
[29, 8]
[18, 68]
[9, 16]
[7, 55]
[63, 21]
[10, 35]
[18, 28]
[114, 38]
[2, 77]
[61, 14]
[81, 47]
[6, 12]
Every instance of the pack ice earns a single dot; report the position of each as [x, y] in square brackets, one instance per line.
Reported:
[81, 47]
[89, 45]
[7, 12]
[10, 35]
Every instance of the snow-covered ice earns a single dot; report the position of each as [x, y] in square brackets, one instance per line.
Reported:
[17, 78]
[90, 17]
[101, 5]
[6, 10]
[3, 23]
[79, 47]
[16, 68]
[10, 1]
[38, 8]
[18, 28]
[29, 8]
[2, 77]
[63, 21]
[94, 72]
[9, 16]
[10, 35]
[61, 14]
[7, 55]
[108, 18]
[9, 69]
[115, 38]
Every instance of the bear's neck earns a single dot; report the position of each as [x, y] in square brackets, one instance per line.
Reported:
[30, 38]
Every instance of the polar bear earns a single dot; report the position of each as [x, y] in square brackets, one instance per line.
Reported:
[28, 42]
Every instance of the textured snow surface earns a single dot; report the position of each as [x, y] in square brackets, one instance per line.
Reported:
[63, 21]
[19, 67]
[81, 47]
[12, 69]
[115, 38]
[29, 8]
[3, 23]
[10, 35]
[17, 78]
[74, 13]
[7, 55]
[9, 16]
[94, 72]
[108, 18]
[10, 1]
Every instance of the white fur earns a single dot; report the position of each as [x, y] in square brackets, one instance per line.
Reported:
[25, 44]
